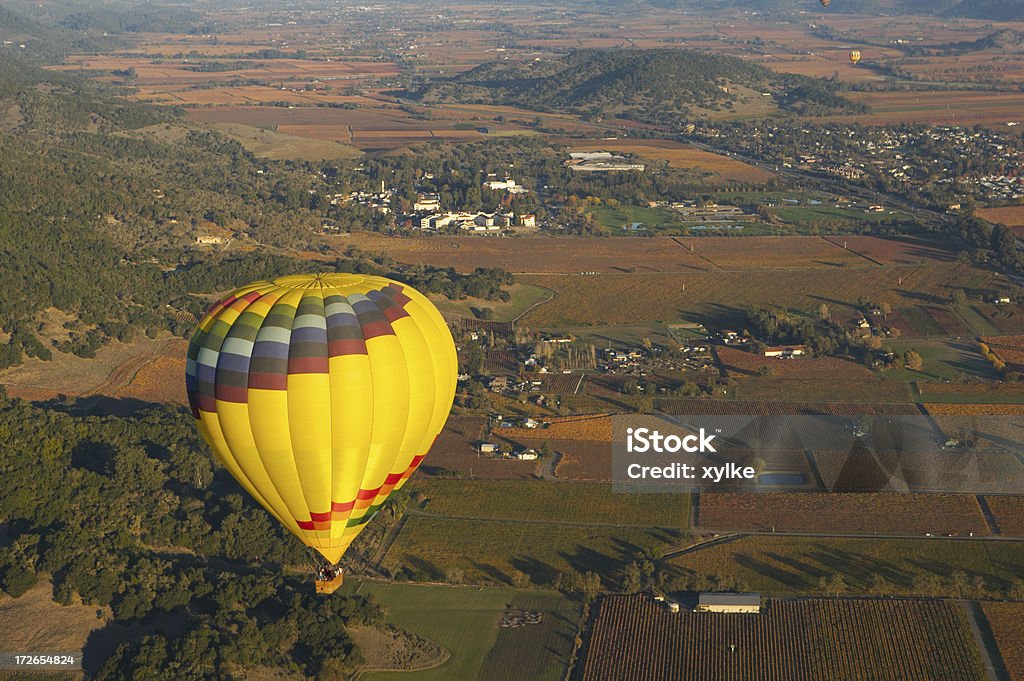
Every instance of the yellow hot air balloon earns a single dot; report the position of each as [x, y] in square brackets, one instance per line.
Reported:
[855, 56]
[321, 394]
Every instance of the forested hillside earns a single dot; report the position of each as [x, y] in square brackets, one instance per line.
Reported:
[130, 513]
[648, 85]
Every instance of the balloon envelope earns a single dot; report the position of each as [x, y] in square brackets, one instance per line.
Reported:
[826, 3]
[855, 56]
[321, 394]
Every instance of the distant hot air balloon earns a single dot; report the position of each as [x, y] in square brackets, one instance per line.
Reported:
[321, 394]
[855, 56]
[826, 3]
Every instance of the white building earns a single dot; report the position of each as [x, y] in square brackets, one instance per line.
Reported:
[729, 602]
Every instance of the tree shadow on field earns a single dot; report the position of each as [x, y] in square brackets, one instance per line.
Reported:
[812, 571]
[858, 566]
[540, 573]
[585, 559]
[423, 566]
[719, 315]
[773, 572]
[491, 571]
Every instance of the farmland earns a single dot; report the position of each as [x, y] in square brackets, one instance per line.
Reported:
[679, 155]
[858, 513]
[633, 298]
[795, 640]
[1005, 620]
[562, 255]
[495, 551]
[742, 363]
[582, 503]
[1009, 513]
[923, 567]
[771, 252]
[464, 621]
[536, 652]
[1011, 216]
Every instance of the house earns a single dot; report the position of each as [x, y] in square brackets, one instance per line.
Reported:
[786, 351]
[729, 602]
[507, 185]
[427, 204]
[499, 384]
[210, 240]
[527, 455]
[528, 220]
[530, 423]
[488, 448]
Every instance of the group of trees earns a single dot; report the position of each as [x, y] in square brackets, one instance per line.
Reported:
[131, 513]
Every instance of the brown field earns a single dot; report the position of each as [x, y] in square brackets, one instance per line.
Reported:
[568, 255]
[1011, 216]
[1008, 319]
[113, 369]
[742, 363]
[34, 622]
[904, 250]
[162, 379]
[679, 155]
[956, 107]
[940, 392]
[771, 252]
[582, 460]
[1010, 349]
[634, 638]
[1009, 513]
[949, 321]
[859, 513]
[635, 298]
[1007, 623]
[591, 428]
[939, 409]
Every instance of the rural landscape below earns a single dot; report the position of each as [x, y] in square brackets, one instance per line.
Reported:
[800, 220]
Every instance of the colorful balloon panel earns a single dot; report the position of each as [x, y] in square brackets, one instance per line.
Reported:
[321, 394]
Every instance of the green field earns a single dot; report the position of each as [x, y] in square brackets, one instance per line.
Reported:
[494, 551]
[623, 216]
[624, 334]
[943, 361]
[566, 502]
[981, 325]
[524, 296]
[791, 565]
[538, 652]
[462, 620]
[277, 146]
[812, 216]
[922, 322]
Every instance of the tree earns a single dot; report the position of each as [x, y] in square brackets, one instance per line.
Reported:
[912, 360]
[631, 577]
[959, 298]
[823, 313]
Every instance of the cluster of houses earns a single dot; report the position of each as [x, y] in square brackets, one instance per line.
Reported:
[379, 201]
[494, 451]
